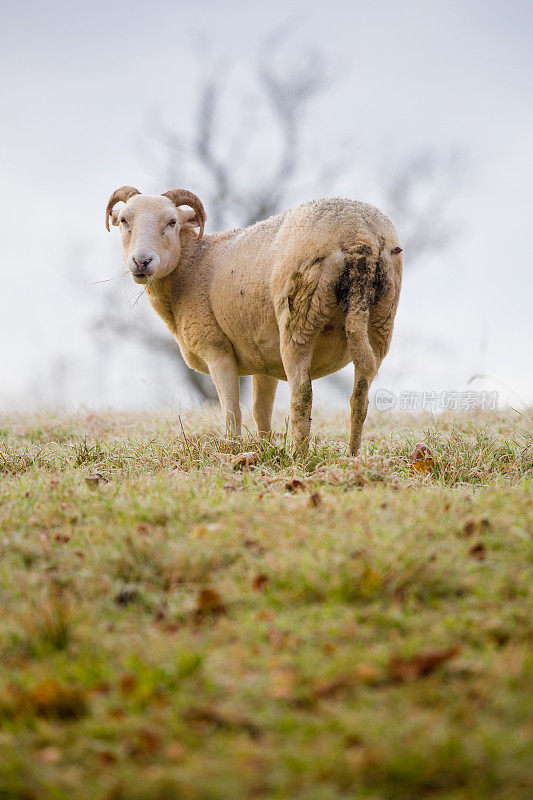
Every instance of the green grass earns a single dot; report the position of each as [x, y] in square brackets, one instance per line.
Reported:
[319, 628]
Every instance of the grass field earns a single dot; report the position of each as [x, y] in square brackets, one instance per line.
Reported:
[178, 621]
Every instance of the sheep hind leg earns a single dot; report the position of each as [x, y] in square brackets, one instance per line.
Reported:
[263, 393]
[358, 411]
[365, 368]
[296, 360]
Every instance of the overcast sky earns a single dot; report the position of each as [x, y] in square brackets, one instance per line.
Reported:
[80, 81]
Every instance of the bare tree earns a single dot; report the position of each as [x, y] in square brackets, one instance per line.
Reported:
[253, 172]
[417, 193]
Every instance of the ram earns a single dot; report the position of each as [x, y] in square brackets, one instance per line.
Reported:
[294, 297]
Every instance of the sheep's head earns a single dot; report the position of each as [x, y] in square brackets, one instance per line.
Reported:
[151, 227]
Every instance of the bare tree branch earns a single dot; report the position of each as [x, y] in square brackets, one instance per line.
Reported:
[112, 328]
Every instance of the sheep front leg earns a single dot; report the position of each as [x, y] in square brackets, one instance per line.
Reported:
[297, 364]
[263, 393]
[223, 370]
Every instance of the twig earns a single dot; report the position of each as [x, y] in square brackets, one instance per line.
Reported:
[185, 438]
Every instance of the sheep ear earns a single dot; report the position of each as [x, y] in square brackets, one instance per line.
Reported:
[115, 215]
[188, 217]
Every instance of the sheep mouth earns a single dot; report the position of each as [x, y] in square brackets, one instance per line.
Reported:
[141, 278]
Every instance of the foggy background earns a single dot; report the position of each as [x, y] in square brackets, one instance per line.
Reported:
[422, 108]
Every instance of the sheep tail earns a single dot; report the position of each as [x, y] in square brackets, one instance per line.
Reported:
[356, 293]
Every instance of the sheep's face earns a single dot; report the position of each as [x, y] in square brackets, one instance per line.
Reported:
[150, 230]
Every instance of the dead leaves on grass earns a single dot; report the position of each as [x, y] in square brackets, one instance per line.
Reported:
[49, 699]
[294, 485]
[142, 743]
[239, 462]
[478, 550]
[421, 459]
[209, 602]
[127, 596]
[314, 499]
[403, 670]
[260, 582]
[95, 480]
[127, 684]
[471, 526]
[206, 717]
[361, 675]
[284, 684]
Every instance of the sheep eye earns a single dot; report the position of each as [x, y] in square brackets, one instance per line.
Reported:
[123, 221]
[172, 222]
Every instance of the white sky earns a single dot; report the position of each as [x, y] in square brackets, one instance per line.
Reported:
[79, 81]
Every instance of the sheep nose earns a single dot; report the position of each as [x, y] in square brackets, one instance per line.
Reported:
[141, 264]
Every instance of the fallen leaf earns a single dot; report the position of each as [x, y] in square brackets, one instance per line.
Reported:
[143, 528]
[361, 674]
[469, 527]
[260, 582]
[52, 699]
[420, 452]
[402, 670]
[245, 460]
[478, 550]
[222, 718]
[314, 500]
[116, 712]
[250, 543]
[421, 459]
[107, 758]
[95, 480]
[209, 602]
[127, 596]
[294, 485]
[142, 742]
[127, 683]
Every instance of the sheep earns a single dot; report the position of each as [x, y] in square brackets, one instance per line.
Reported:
[294, 297]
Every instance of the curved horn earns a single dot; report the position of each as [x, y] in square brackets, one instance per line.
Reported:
[182, 197]
[124, 194]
